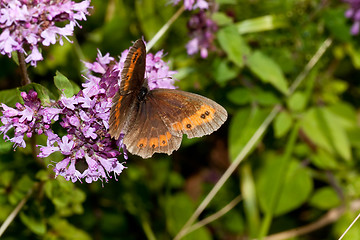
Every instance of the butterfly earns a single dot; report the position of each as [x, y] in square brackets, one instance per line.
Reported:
[154, 121]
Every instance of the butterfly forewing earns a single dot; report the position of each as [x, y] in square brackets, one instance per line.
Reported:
[132, 75]
[121, 114]
[124, 102]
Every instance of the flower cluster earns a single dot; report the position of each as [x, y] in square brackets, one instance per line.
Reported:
[202, 32]
[84, 117]
[354, 13]
[27, 119]
[193, 4]
[26, 24]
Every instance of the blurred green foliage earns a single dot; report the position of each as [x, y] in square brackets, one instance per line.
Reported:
[306, 163]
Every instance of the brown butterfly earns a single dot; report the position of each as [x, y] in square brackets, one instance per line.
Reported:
[155, 120]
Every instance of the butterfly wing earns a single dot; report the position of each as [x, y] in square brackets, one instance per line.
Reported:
[188, 113]
[123, 107]
[149, 133]
[132, 75]
[166, 115]
[121, 114]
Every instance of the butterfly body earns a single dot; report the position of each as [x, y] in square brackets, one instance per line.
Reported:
[155, 120]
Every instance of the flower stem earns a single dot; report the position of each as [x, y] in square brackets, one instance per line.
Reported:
[161, 32]
[25, 80]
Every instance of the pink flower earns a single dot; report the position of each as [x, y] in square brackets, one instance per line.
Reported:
[27, 24]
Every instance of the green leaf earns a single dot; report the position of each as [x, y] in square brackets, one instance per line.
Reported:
[260, 24]
[354, 54]
[239, 96]
[76, 87]
[223, 72]
[179, 209]
[34, 222]
[5, 147]
[297, 186]
[221, 18]
[326, 130]
[297, 102]
[325, 198]
[282, 124]
[10, 97]
[324, 160]
[243, 126]
[63, 84]
[226, 1]
[248, 192]
[267, 70]
[337, 24]
[233, 222]
[345, 113]
[233, 44]
[150, 14]
[21, 188]
[265, 98]
[64, 230]
[43, 93]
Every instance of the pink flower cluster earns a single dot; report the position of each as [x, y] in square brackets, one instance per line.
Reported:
[25, 24]
[84, 117]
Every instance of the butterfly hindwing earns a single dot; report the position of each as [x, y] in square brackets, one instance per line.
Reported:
[188, 113]
[149, 133]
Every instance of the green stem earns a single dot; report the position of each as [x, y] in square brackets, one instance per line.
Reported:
[147, 229]
[14, 213]
[278, 183]
[161, 32]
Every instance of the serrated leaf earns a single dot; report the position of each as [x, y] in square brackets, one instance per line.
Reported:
[63, 84]
[233, 44]
[267, 70]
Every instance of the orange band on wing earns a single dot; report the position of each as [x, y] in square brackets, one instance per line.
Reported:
[203, 115]
[164, 139]
[154, 142]
[134, 59]
[142, 142]
[117, 111]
